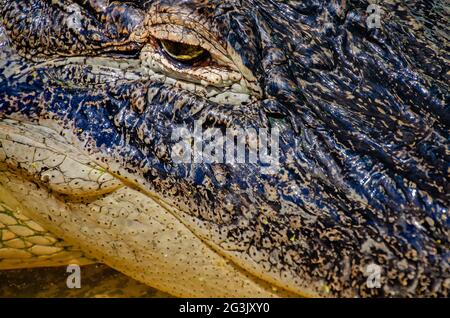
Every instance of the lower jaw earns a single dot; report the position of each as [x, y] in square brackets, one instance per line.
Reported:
[130, 232]
[121, 226]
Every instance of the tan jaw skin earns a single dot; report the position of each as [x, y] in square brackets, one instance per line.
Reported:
[120, 226]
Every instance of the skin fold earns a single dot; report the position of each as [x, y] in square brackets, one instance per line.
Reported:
[90, 97]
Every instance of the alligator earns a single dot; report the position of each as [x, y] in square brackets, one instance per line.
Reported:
[355, 93]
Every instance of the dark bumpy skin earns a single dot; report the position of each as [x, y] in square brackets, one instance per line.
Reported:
[364, 119]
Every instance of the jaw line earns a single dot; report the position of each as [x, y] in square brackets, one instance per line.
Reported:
[183, 217]
[165, 206]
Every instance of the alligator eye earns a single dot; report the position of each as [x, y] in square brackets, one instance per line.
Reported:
[182, 52]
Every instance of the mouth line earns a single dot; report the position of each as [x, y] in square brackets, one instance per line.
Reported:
[95, 255]
[117, 180]
[178, 214]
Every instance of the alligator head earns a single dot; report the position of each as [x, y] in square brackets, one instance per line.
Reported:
[99, 99]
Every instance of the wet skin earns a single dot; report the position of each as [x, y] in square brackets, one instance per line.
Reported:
[364, 141]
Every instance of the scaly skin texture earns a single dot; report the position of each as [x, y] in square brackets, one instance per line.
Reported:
[364, 141]
[24, 241]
